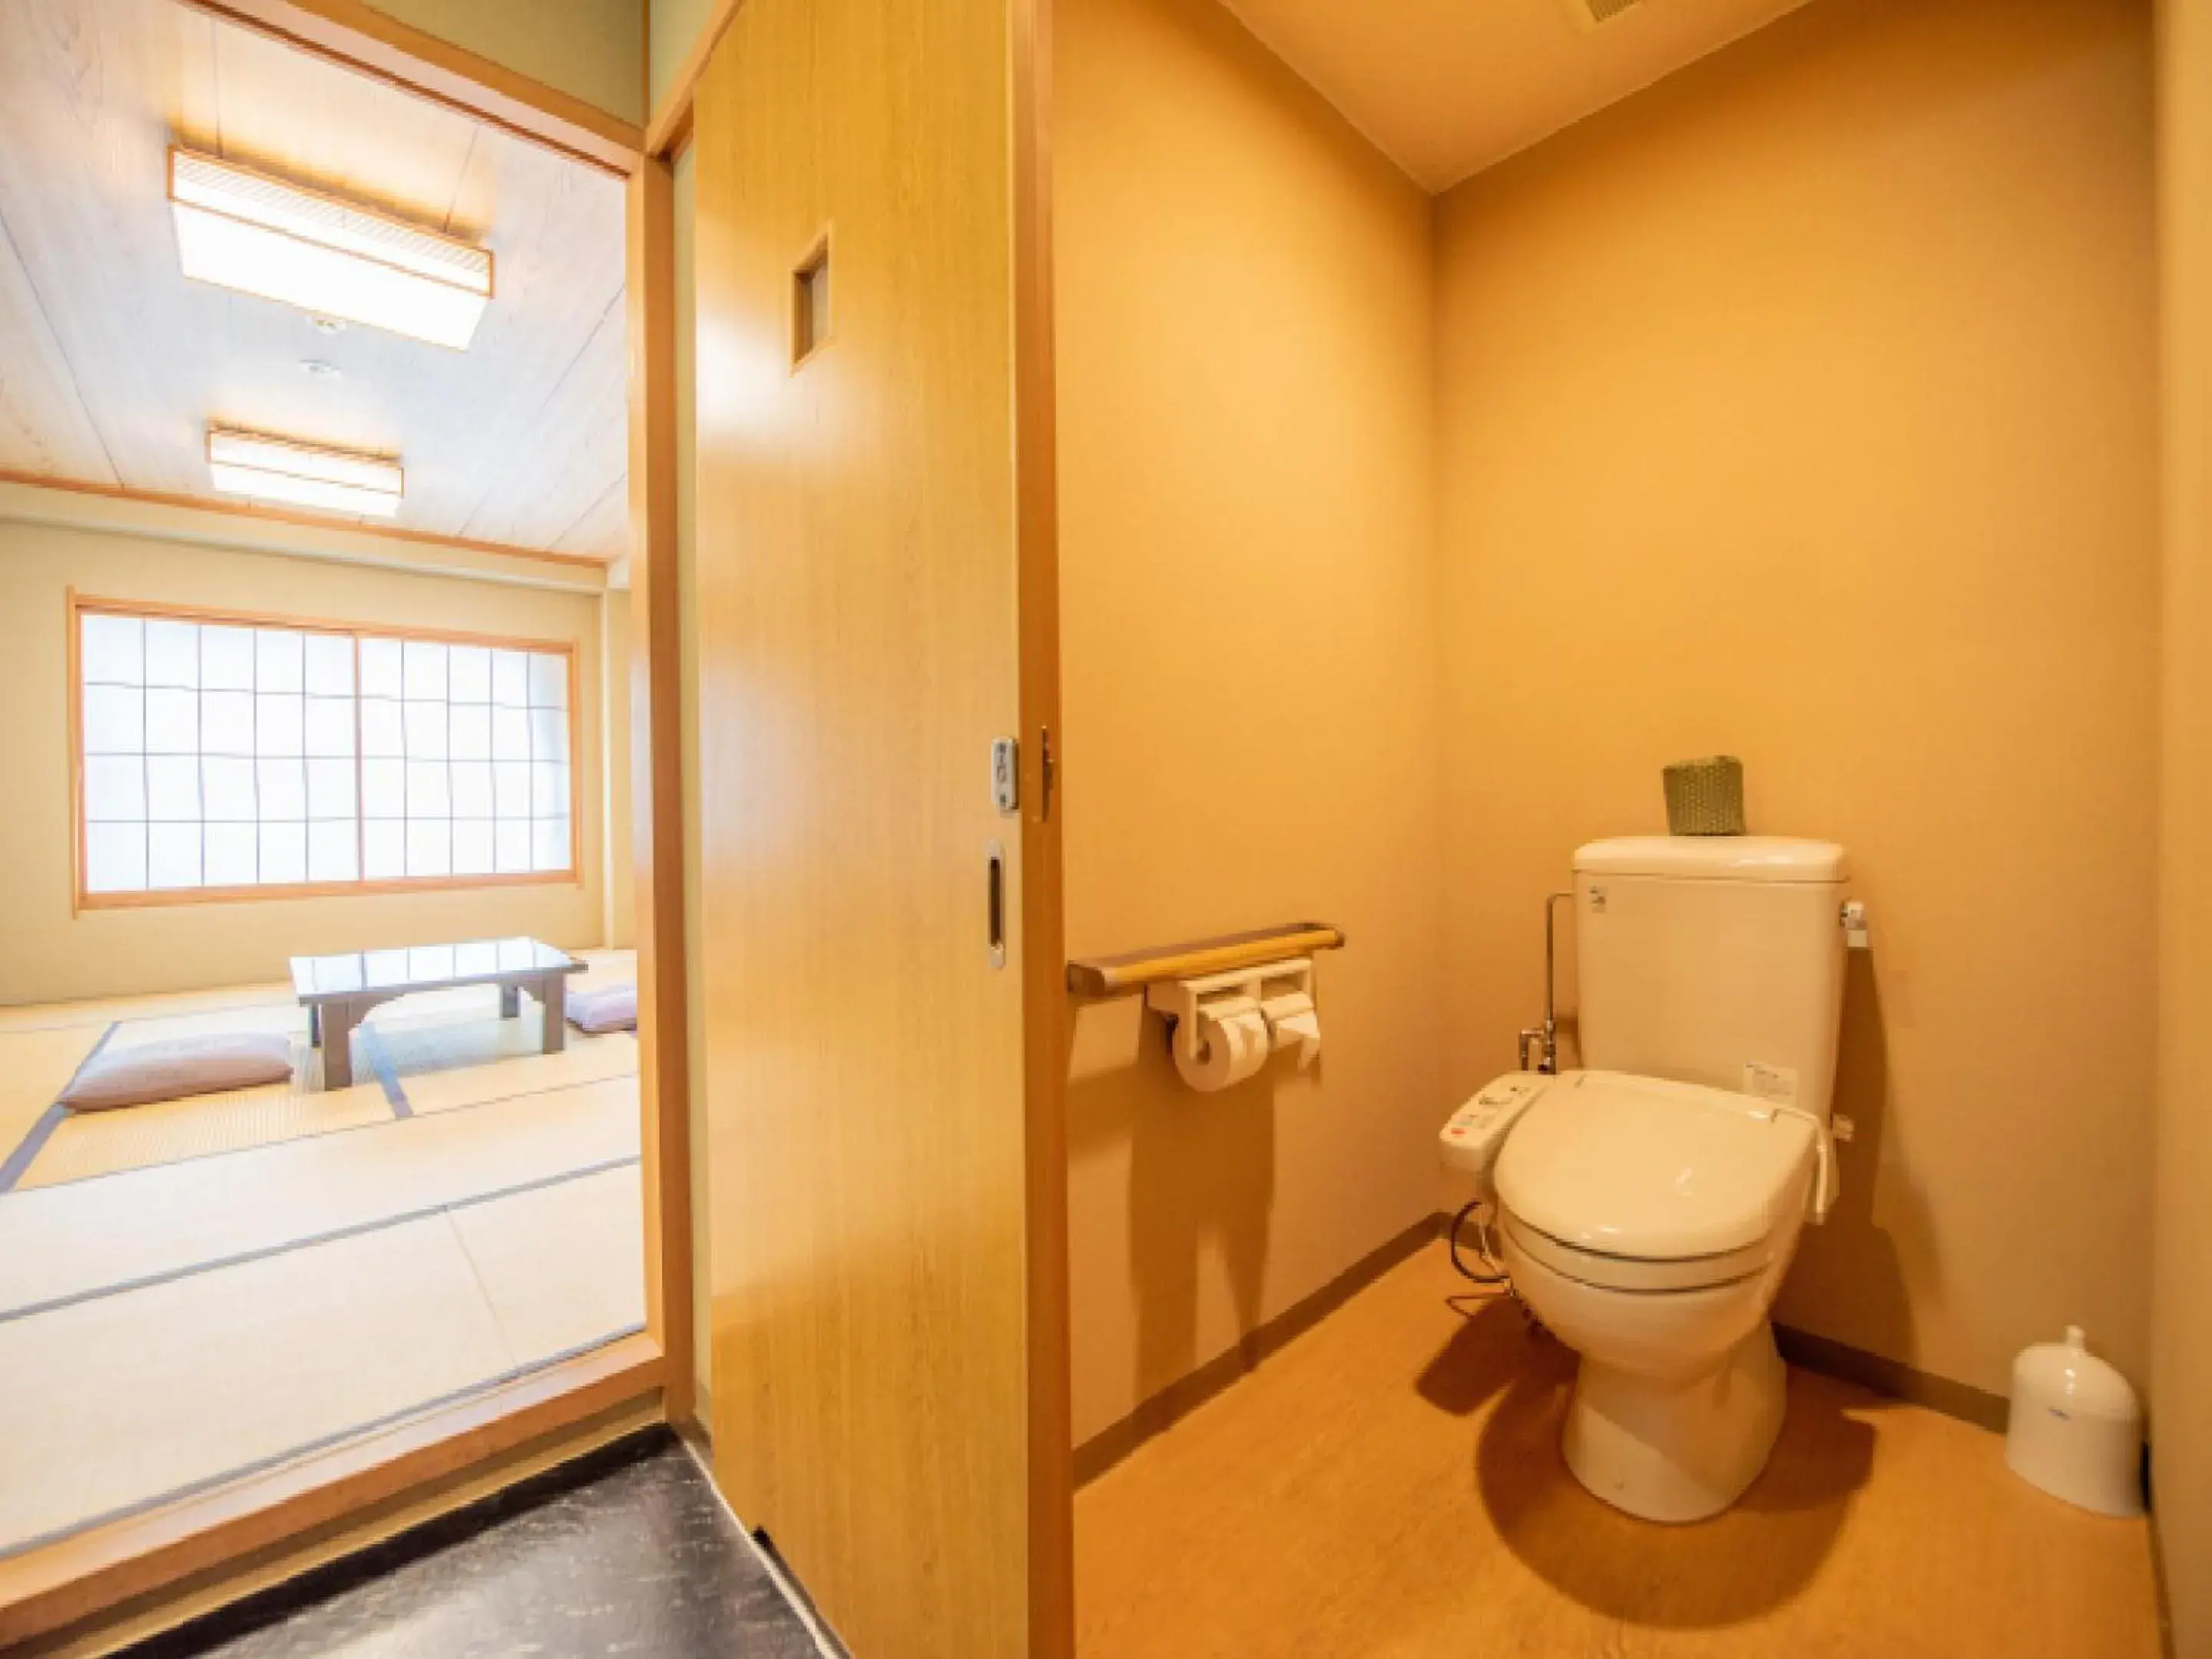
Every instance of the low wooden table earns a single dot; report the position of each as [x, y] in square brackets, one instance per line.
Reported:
[337, 991]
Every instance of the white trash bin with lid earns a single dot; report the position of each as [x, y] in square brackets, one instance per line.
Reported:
[2075, 1428]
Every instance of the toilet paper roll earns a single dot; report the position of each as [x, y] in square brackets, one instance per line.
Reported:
[1226, 1050]
[1302, 1032]
[1292, 1023]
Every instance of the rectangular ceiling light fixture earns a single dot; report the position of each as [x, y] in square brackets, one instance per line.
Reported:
[301, 475]
[244, 230]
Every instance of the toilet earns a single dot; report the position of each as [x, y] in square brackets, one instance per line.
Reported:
[1648, 1206]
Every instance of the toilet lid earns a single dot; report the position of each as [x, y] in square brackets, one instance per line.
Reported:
[1643, 1167]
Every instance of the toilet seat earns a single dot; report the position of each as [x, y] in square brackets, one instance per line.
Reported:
[1628, 1273]
[1639, 1184]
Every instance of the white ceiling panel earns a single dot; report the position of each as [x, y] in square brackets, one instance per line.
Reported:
[112, 364]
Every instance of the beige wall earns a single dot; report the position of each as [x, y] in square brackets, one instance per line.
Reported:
[51, 955]
[2181, 1342]
[675, 26]
[1247, 597]
[1802, 408]
[593, 50]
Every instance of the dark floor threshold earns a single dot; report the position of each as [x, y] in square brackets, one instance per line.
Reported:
[626, 1548]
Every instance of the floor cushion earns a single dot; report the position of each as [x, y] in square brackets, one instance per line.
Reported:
[187, 1066]
[611, 1008]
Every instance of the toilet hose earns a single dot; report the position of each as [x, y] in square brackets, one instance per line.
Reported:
[1497, 1278]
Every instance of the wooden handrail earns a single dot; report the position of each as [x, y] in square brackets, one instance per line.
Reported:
[1103, 977]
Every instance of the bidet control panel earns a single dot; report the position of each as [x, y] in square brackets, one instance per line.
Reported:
[1472, 1139]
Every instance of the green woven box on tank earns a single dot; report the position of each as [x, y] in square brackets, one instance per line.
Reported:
[1705, 797]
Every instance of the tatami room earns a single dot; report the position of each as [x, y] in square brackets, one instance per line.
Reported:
[318, 1100]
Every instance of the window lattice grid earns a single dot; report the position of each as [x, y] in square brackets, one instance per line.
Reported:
[222, 755]
[465, 767]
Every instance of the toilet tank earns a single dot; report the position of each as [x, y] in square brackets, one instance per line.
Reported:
[1712, 959]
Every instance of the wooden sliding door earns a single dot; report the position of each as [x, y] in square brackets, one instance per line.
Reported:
[880, 945]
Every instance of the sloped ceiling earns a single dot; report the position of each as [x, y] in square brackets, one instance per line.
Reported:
[1446, 88]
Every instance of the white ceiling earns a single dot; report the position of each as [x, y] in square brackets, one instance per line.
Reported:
[1446, 88]
[112, 364]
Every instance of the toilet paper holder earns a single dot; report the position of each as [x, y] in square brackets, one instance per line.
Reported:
[1221, 1027]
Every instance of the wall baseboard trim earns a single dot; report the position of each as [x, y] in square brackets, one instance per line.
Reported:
[1155, 1415]
[1879, 1374]
[2159, 1586]
[1876, 1373]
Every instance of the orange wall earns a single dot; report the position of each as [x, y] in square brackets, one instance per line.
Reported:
[2181, 1346]
[1245, 378]
[1802, 408]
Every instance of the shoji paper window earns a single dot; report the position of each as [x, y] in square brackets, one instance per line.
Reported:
[217, 756]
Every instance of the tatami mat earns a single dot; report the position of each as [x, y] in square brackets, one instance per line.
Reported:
[104, 1011]
[586, 1059]
[272, 1019]
[207, 1286]
[113, 1402]
[35, 1066]
[65, 1242]
[421, 1035]
[196, 1380]
[452, 1041]
[87, 1143]
[77, 1146]
[562, 1266]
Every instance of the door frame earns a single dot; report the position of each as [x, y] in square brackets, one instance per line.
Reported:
[143, 1570]
[1044, 989]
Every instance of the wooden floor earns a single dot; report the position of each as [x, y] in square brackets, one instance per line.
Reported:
[174, 1324]
[1391, 1484]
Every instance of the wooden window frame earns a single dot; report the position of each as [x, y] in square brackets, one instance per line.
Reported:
[79, 606]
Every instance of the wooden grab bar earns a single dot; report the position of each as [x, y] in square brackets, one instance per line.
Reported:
[1102, 976]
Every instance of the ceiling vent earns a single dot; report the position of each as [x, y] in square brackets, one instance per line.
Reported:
[1595, 14]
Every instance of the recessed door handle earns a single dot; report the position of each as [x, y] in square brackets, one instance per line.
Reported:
[995, 899]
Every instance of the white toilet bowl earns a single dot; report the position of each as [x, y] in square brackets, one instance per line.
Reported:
[1649, 1224]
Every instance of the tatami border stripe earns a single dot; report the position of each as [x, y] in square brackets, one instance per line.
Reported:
[321, 1442]
[20, 1161]
[319, 1134]
[193, 1269]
